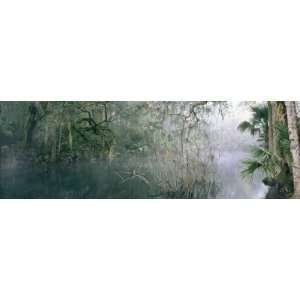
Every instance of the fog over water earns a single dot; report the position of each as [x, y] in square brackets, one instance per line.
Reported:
[100, 179]
[233, 148]
[232, 184]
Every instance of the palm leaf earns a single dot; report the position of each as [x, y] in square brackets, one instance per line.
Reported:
[264, 161]
[251, 166]
[260, 113]
[247, 126]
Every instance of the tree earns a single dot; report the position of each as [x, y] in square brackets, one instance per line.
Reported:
[31, 123]
[258, 125]
[294, 145]
[273, 156]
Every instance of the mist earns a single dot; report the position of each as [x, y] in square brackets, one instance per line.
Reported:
[126, 150]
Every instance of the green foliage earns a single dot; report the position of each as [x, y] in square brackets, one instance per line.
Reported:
[260, 113]
[275, 165]
[7, 128]
[171, 136]
[258, 124]
[282, 140]
[263, 161]
[12, 121]
[247, 126]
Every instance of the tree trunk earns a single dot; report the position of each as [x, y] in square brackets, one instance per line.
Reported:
[46, 136]
[31, 124]
[60, 137]
[105, 112]
[276, 115]
[270, 128]
[54, 145]
[274, 105]
[70, 136]
[294, 144]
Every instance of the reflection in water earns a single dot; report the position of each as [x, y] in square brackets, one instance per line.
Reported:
[203, 163]
[82, 180]
[100, 179]
[232, 184]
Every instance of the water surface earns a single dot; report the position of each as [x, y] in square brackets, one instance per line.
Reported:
[100, 179]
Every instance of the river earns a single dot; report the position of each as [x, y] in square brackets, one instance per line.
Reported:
[102, 180]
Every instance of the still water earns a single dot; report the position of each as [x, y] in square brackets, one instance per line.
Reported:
[102, 180]
[82, 180]
[232, 184]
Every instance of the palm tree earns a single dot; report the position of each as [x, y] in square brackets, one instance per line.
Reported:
[273, 156]
[258, 124]
[294, 145]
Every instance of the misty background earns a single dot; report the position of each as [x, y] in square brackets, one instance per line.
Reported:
[132, 150]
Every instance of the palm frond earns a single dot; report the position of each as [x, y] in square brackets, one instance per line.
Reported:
[247, 126]
[264, 161]
[260, 113]
[251, 166]
[282, 139]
